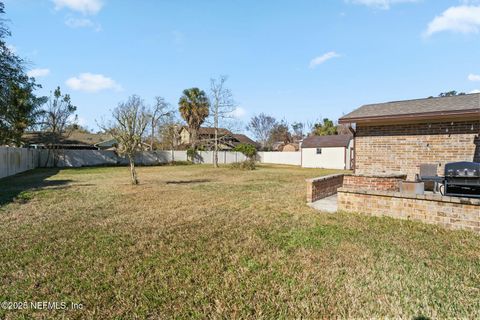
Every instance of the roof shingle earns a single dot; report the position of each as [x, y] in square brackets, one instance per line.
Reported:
[327, 141]
[446, 105]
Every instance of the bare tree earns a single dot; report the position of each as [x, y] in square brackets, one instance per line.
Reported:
[280, 133]
[222, 105]
[168, 133]
[298, 130]
[131, 119]
[261, 126]
[58, 121]
[343, 129]
[159, 111]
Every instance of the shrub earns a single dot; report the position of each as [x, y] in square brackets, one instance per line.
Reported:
[247, 149]
[245, 165]
[191, 153]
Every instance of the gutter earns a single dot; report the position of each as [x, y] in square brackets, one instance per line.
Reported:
[414, 116]
[354, 133]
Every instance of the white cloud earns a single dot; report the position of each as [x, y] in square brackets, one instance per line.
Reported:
[380, 4]
[474, 77]
[461, 19]
[238, 113]
[90, 82]
[475, 91]
[83, 6]
[323, 58]
[37, 73]
[82, 23]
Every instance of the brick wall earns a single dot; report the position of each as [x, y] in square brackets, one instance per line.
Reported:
[401, 148]
[386, 183]
[322, 187]
[450, 212]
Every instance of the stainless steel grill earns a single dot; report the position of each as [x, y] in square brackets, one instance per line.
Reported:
[462, 179]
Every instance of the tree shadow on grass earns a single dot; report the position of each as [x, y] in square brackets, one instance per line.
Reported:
[189, 181]
[16, 188]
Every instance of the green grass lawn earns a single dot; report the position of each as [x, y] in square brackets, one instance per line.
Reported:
[198, 242]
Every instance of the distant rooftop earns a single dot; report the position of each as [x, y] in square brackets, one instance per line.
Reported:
[419, 108]
[327, 141]
[75, 138]
[210, 131]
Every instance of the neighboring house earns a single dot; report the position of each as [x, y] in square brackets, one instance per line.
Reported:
[204, 133]
[206, 138]
[241, 138]
[110, 144]
[397, 137]
[277, 146]
[332, 152]
[76, 140]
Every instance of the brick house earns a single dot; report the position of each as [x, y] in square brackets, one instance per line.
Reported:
[396, 137]
[391, 141]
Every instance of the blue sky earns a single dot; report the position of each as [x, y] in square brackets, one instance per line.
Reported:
[294, 59]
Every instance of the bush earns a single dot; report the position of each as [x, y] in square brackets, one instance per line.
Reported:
[245, 165]
[191, 154]
[247, 149]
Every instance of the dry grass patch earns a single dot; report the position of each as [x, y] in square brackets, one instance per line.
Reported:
[196, 242]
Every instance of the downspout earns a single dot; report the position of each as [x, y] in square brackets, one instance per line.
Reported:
[354, 133]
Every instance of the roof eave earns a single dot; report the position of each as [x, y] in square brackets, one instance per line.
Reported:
[440, 115]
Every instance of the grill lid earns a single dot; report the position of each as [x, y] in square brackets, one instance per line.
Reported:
[463, 169]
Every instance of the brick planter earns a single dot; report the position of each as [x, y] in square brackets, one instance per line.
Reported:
[322, 187]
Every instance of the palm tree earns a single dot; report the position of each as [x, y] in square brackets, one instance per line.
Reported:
[194, 109]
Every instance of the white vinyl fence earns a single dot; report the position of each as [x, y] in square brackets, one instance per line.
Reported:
[224, 157]
[89, 158]
[86, 158]
[16, 160]
[291, 158]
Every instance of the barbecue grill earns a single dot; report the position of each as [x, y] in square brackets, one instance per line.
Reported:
[462, 179]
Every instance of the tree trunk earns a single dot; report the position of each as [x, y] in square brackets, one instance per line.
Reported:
[55, 157]
[215, 152]
[174, 145]
[152, 137]
[133, 172]
[194, 143]
[194, 138]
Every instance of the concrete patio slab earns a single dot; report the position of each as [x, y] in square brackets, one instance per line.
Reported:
[328, 204]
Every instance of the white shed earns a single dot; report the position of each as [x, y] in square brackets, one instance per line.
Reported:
[329, 152]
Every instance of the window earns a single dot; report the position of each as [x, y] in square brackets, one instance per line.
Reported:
[319, 150]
